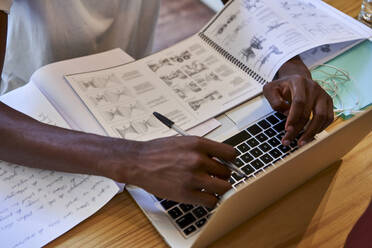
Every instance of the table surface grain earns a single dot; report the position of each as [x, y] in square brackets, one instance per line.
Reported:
[319, 213]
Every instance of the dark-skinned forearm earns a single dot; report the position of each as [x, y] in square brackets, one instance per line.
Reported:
[28, 142]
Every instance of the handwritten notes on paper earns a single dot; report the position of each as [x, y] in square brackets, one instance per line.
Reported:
[37, 206]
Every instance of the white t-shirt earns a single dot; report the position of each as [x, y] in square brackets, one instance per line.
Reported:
[45, 31]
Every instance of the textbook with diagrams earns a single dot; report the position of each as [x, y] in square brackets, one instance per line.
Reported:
[225, 64]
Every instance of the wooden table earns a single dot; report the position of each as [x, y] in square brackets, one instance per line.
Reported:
[320, 213]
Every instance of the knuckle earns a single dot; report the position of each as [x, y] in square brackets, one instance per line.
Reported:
[298, 101]
[194, 140]
[195, 160]
[299, 78]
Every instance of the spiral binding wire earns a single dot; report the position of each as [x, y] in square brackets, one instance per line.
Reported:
[233, 60]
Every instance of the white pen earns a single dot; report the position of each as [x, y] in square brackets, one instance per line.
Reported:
[179, 130]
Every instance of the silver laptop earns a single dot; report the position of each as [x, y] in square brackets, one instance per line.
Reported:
[273, 170]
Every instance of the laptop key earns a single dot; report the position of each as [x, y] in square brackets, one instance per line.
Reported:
[243, 148]
[270, 132]
[231, 181]
[186, 207]
[238, 153]
[275, 153]
[236, 176]
[256, 152]
[175, 213]
[246, 157]
[266, 158]
[280, 116]
[280, 135]
[264, 124]
[280, 126]
[189, 230]
[274, 142]
[199, 212]
[284, 149]
[272, 119]
[238, 138]
[261, 137]
[293, 143]
[248, 170]
[254, 129]
[239, 162]
[201, 222]
[257, 164]
[265, 147]
[253, 142]
[185, 220]
[168, 204]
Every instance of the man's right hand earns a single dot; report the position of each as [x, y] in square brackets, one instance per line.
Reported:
[179, 168]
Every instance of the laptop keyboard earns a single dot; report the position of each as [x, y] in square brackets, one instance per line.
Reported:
[258, 147]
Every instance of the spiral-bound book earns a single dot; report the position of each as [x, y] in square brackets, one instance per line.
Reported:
[225, 64]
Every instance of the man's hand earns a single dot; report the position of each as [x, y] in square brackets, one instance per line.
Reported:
[296, 95]
[179, 168]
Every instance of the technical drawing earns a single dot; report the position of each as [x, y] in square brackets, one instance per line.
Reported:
[325, 49]
[183, 90]
[273, 50]
[232, 36]
[109, 80]
[156, 66]
[171, 78]
[302, 9]
[137, 128]
[99, 99]
[297, 5]
[256, 43]
[124, 112]
[194, 68]
[197, 104]
[275, 25]
[224, 26]
[186, 55]
[111, 96]
[251, 5]
[203, 80]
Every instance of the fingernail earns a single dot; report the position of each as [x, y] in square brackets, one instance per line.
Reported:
[302, 143]
[286, 142]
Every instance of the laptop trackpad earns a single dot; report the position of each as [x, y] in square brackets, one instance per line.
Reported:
[250, 111]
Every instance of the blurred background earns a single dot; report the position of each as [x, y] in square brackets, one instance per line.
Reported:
[181, 19]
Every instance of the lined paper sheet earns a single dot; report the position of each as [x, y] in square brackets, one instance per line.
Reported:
[37, 206]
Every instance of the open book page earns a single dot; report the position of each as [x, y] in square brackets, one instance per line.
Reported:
[189, 83]
[36, 205]
[322, 54]
[50, 80]
[264, 34]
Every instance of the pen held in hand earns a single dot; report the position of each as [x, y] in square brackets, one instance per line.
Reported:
[179, 130]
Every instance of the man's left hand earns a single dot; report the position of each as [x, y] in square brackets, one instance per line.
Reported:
[296, 95]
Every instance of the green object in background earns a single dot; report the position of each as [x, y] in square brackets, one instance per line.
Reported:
[358, 63]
